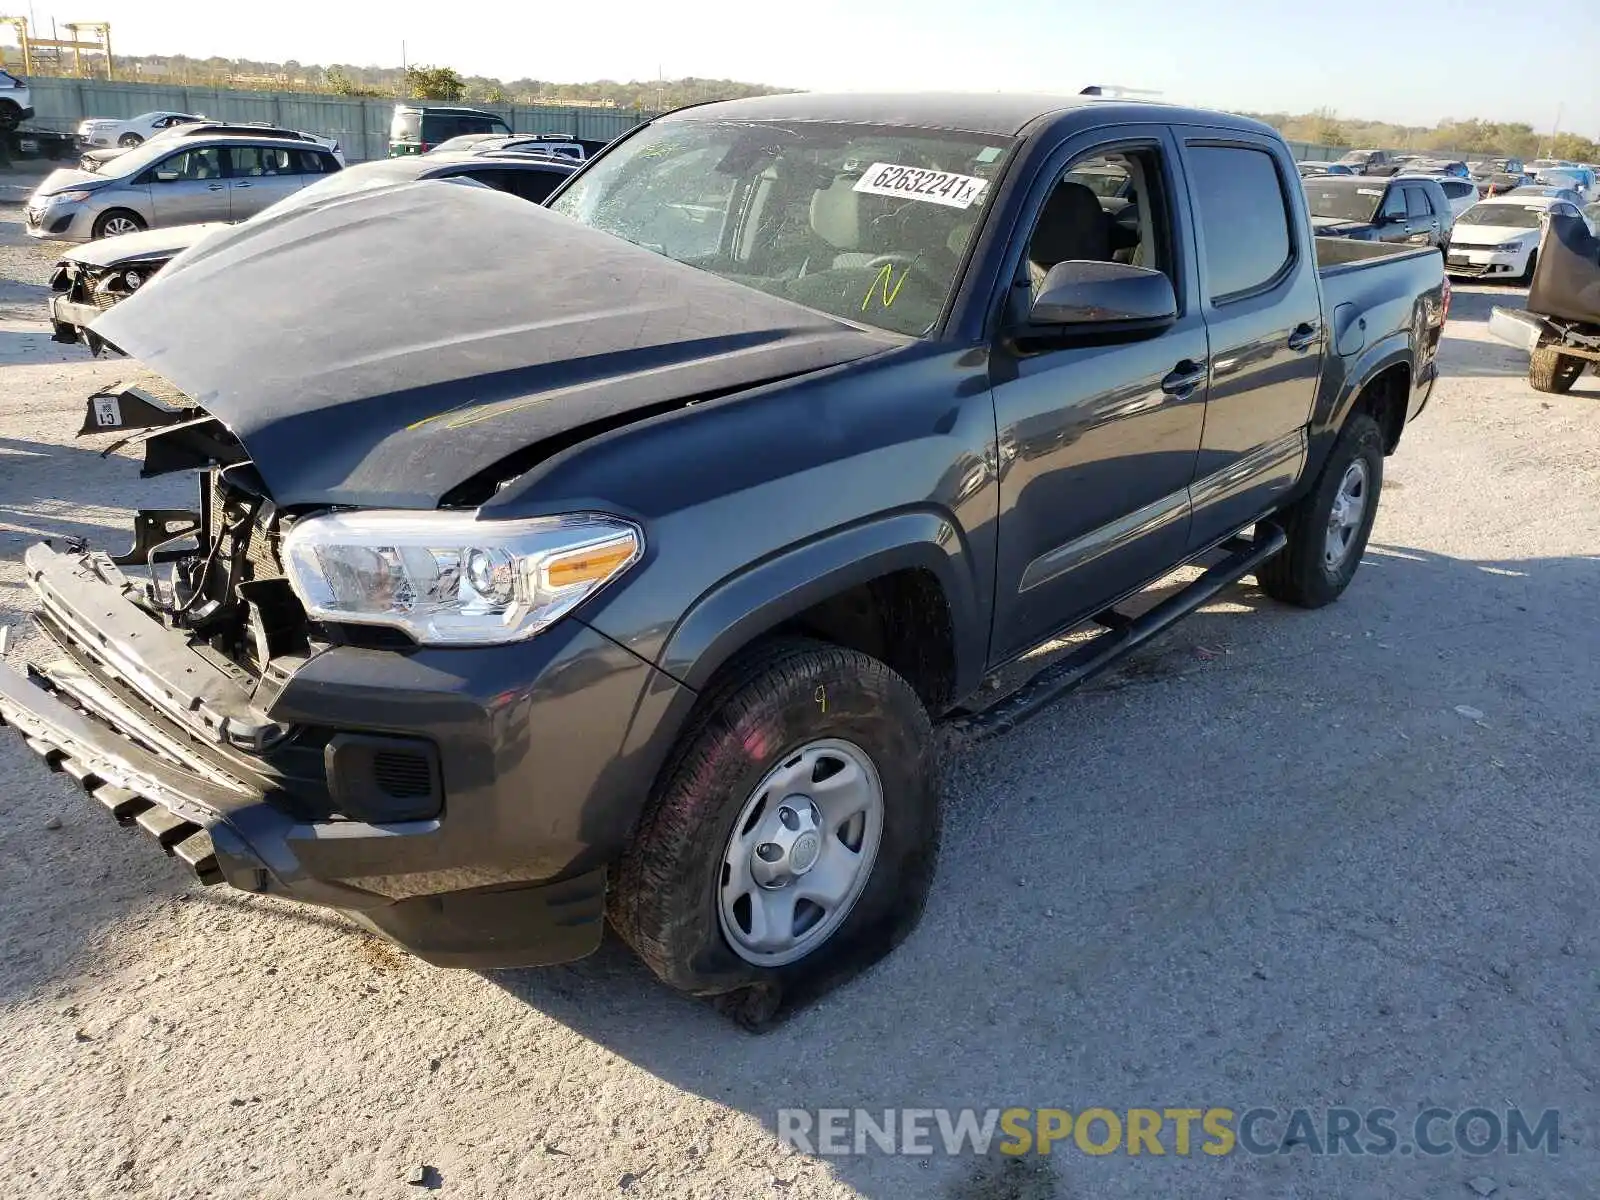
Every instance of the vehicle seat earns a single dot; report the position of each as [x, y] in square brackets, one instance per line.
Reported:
[1072, 226]
[836, 219]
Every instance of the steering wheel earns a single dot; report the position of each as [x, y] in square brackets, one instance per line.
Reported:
[912, 265]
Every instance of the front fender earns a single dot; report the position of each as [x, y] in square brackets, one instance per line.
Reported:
[770, 592]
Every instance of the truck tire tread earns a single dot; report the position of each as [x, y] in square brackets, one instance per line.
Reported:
[1298, 575]
[1551, 371]
[662, 903]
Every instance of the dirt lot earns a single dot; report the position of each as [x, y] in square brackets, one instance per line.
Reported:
[1282, 858]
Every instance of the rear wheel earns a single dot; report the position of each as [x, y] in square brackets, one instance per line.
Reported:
[116, 221]
[1551, 371]
[130, 140]
[793, 837]
[1328, 529]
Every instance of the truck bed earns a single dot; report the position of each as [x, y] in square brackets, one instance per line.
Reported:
[1337, 255]
[1370, 290]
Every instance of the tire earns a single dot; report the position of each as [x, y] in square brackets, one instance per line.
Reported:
[1526, 277]
[10, 115]
[698, 843]
[107, 223]
[1307, 574]
[129, 140]
[1551, 371]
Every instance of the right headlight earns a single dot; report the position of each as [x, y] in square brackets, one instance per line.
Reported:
[451, 579]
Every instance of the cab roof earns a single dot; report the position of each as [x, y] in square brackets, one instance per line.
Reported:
[1002, 114]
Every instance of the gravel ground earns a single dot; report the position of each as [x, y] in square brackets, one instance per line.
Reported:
[1281, 858]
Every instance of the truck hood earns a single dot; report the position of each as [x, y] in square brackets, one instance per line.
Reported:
[151, 243]
[387, 345]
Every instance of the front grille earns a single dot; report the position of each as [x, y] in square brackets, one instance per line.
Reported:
[1472, 246]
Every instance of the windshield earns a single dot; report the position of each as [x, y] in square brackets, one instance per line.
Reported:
[867, 223]
[1508, 216]
[1356, 156]
[1342, 199]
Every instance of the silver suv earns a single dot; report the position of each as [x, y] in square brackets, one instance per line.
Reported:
[194, 179]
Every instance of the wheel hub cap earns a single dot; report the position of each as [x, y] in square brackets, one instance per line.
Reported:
[1346, 513]
[800, 852]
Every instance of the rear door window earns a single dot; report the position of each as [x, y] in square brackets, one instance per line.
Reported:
[1418, 207]
[1243, 212]
[254, 161]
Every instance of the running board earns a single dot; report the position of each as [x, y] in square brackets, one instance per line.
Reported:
[1123, 635]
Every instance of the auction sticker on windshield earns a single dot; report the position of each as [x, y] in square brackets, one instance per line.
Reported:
[936, 187]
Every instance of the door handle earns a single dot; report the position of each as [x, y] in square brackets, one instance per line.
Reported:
[1305, 336]
[215, 187]
[1182, 380]
[240, 185]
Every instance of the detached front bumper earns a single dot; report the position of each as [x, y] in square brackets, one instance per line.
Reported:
[69, 319]
[537, 800]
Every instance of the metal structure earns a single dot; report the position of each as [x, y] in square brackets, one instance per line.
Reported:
[93, 36]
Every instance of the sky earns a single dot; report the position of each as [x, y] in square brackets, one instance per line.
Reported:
[1413, 63]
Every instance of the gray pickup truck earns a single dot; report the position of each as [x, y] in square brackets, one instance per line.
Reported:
[616, 560]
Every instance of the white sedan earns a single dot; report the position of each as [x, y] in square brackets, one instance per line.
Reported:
[1498, 238]
[114, 131]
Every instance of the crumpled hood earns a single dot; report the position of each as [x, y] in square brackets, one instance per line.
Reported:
[385, 346]
[149, 243]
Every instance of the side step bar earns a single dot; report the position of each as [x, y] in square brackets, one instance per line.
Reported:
[1123, 635]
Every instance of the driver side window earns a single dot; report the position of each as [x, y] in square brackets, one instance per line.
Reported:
[1108, 207]
[1394, 206]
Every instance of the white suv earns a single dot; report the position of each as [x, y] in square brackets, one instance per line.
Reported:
[16, 104]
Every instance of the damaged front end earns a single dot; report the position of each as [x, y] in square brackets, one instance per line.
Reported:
[191, 695]
[81, 291]
[214, 571]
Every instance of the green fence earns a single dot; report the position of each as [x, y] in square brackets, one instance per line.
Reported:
[361, 126]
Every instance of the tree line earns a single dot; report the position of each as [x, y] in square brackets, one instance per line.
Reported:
[1470, 136]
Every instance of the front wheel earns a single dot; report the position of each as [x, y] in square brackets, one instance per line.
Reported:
[1527, 272]
[117, 221]
[1551, 371]
[793, 838]
[129, 140]
[1328, 529]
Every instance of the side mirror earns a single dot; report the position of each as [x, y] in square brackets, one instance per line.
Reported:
[1104, 294]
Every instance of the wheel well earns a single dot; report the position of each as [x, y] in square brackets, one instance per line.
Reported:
[1385, 398]
[901, 619]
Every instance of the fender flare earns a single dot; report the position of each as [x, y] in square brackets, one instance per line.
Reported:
[1387, 352]
[743, 606]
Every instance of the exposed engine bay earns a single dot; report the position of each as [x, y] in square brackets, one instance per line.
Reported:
[214, 570]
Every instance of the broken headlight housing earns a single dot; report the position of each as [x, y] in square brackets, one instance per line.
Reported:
[451, 579]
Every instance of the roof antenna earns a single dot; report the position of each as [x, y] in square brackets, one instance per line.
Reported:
[1116, 89]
